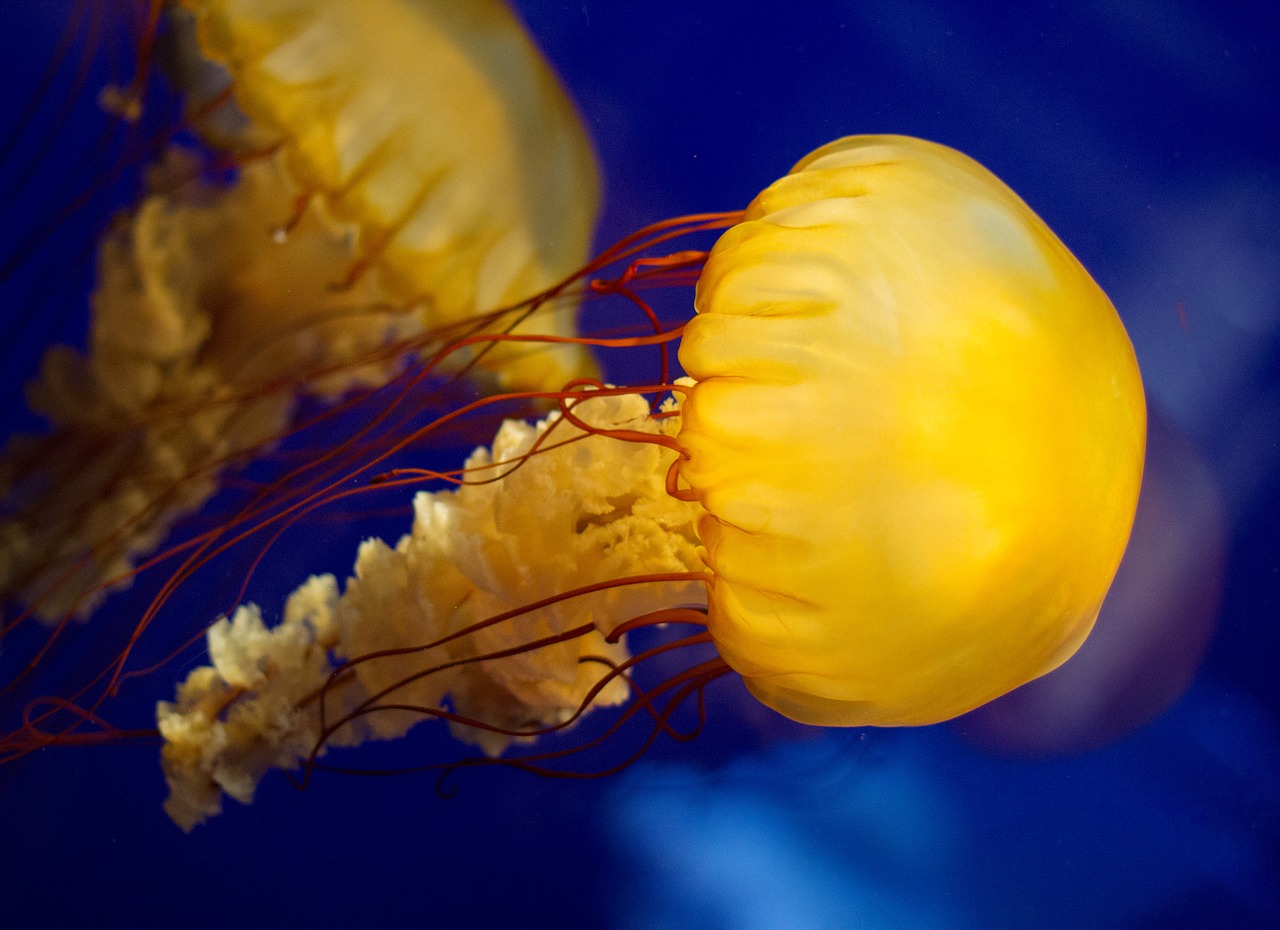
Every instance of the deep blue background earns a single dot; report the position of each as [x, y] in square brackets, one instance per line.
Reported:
[1147, 136]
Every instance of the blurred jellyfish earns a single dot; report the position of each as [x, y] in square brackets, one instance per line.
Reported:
[896, 485]
[404, 169]
[1153, 632]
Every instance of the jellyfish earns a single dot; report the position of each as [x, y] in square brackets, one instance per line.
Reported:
[403, 172]
[895, 483]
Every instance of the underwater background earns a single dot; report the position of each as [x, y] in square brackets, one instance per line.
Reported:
[1137, 787]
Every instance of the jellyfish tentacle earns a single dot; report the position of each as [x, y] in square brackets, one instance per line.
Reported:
[690, 682]
[373, 703]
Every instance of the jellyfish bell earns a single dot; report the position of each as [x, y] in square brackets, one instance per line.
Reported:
[402, 174]
[438, 132]
[917, 432]
[896, 484]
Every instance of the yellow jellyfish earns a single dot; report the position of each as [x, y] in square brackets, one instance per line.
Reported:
[918, 434]
[897, 483]
[407, 170]
[438, 132]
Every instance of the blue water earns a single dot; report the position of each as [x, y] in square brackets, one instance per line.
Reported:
[1146, 135]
